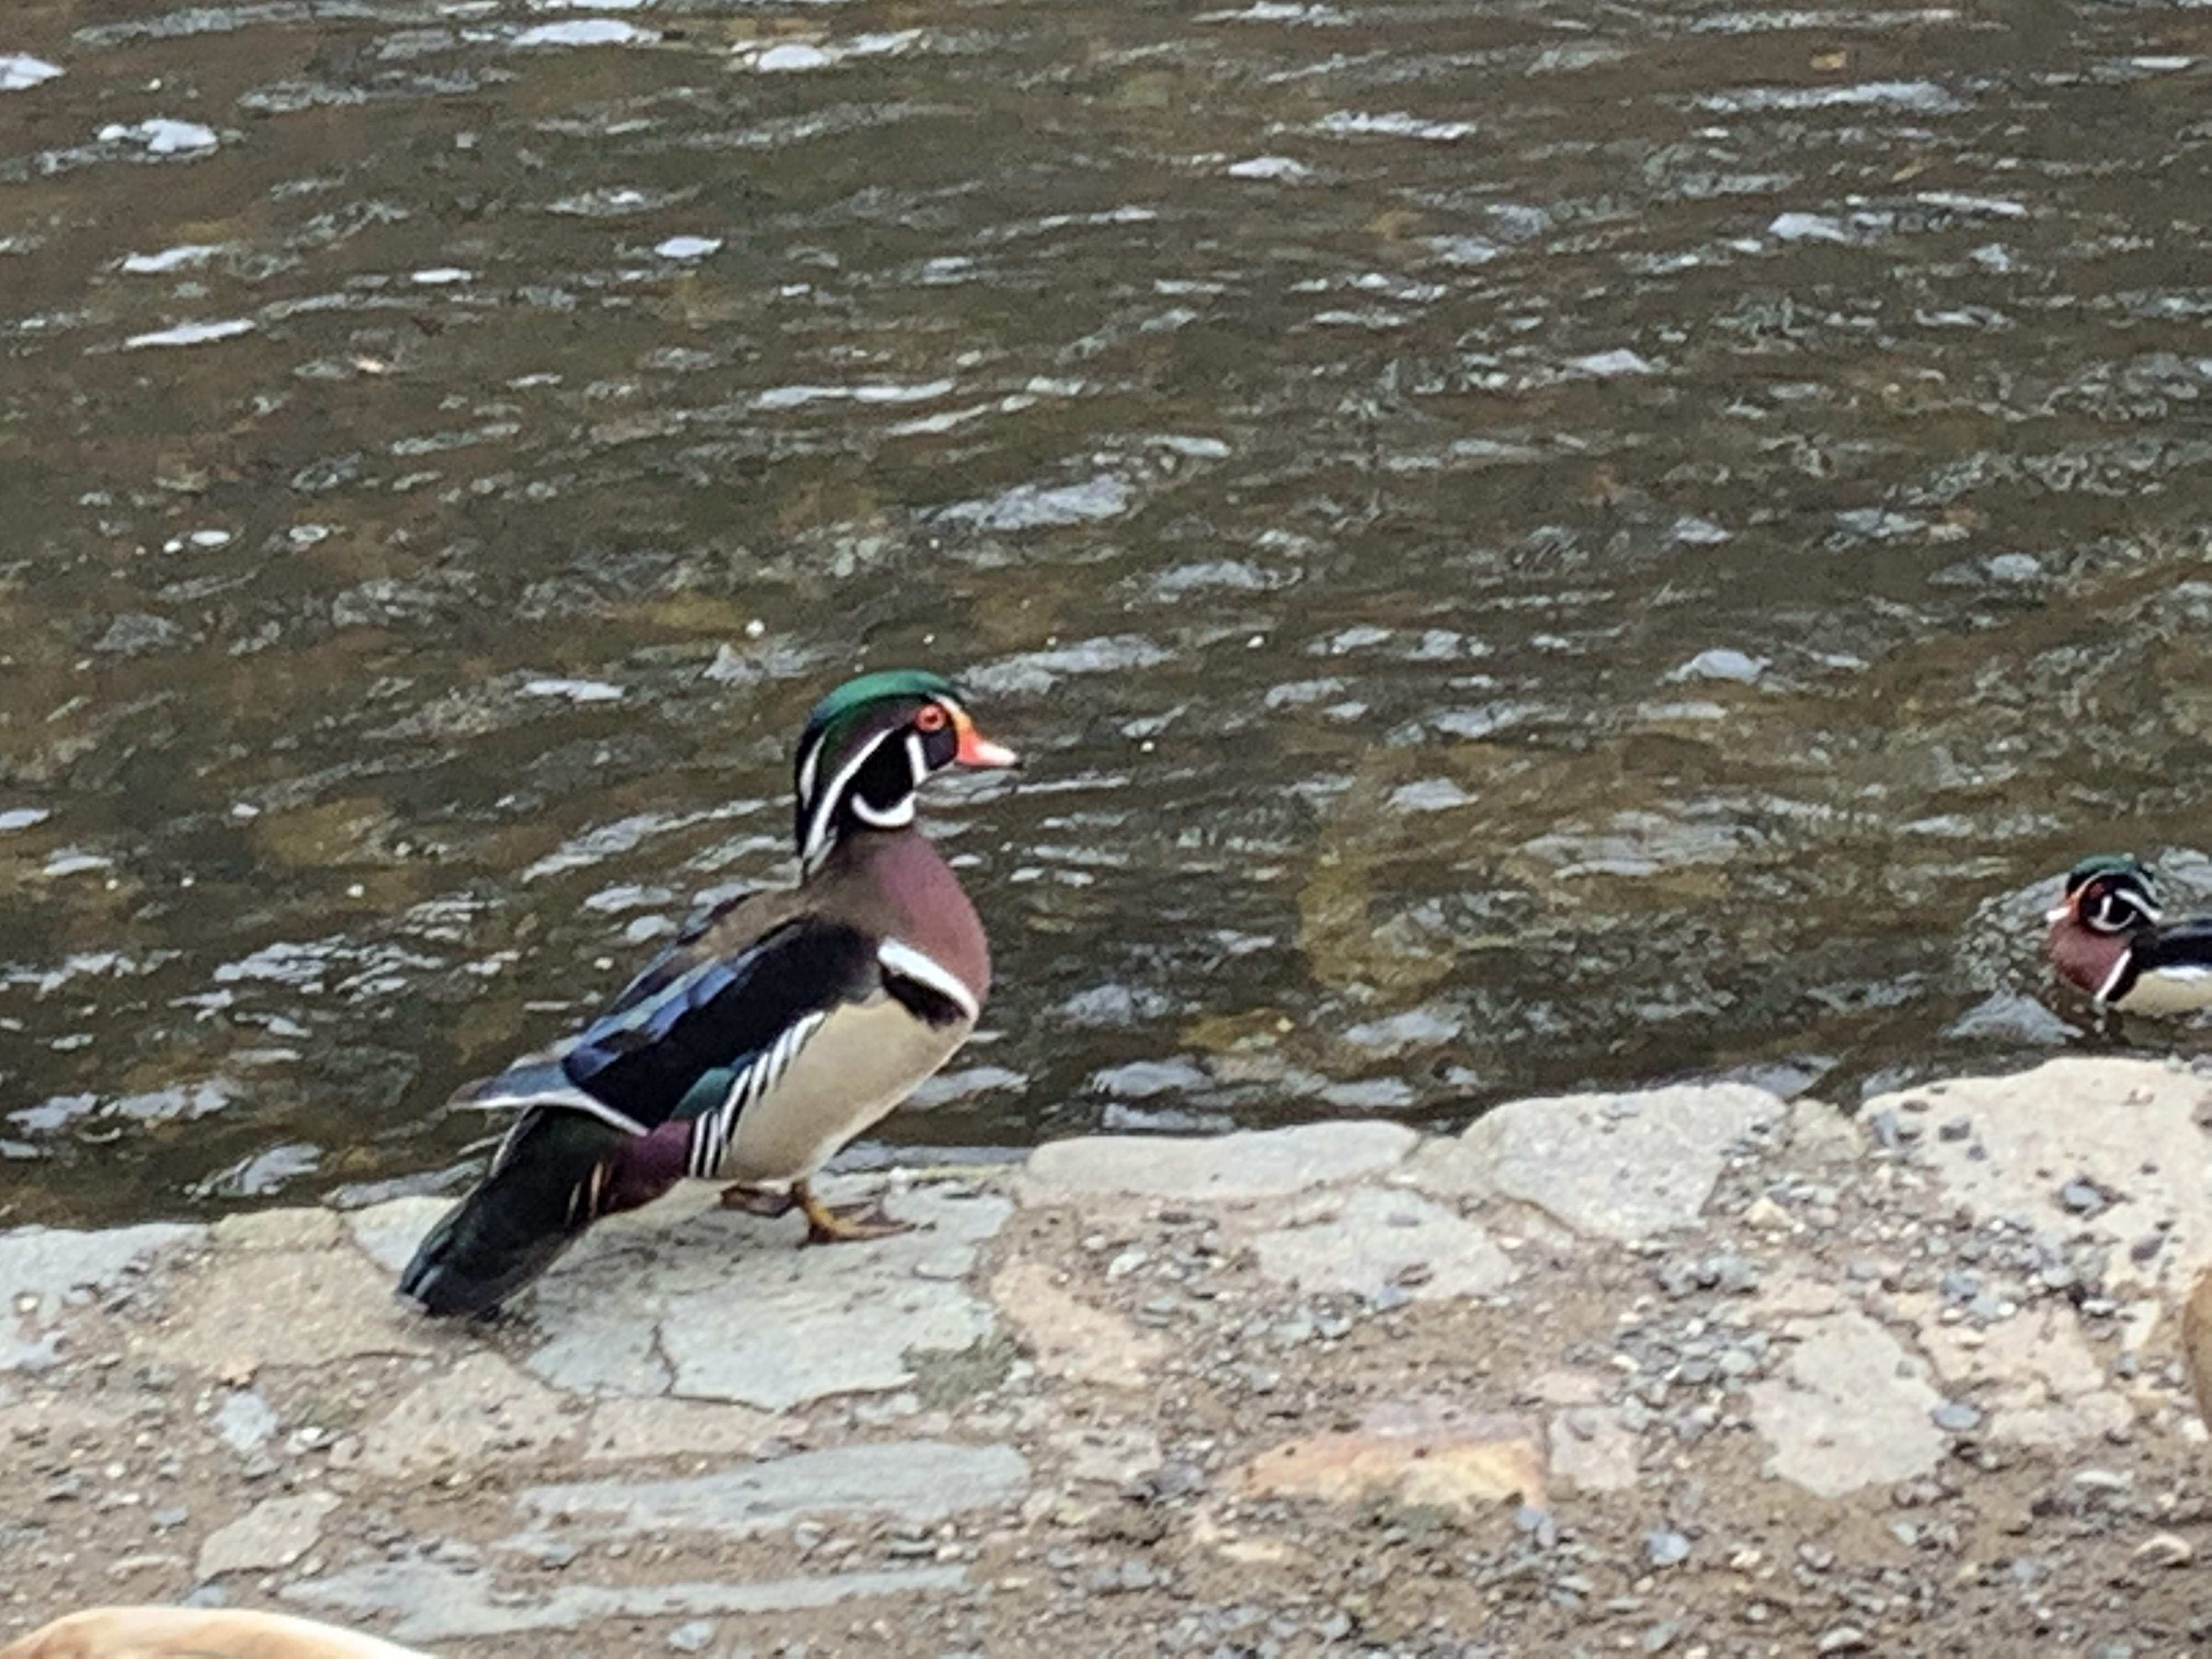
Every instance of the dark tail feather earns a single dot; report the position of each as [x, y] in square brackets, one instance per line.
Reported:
[559, 1172]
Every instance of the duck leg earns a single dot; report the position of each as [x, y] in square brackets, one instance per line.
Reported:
[827, 1226]
[823, 1225]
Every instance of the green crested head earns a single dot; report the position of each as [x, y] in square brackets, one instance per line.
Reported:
[856, 697]
[2120, 866]
[869, 744]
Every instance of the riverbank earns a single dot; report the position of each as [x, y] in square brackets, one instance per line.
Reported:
[1689, 1371]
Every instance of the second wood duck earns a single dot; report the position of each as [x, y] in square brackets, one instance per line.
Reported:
[2109, 937]
[769, 1035]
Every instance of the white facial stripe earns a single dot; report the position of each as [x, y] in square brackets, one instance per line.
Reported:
[807, 768]
[917, 763]
[2119, 968]
[907, 963]
[825, 804]
[895, 817]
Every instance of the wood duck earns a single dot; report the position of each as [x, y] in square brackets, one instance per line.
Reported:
[772, 1032]
[2109, 937]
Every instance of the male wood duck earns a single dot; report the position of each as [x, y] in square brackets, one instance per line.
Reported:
[767, 1035]
[2109, 937]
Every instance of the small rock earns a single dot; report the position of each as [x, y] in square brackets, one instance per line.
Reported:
[2082, 1196]
[1765, 1213]
[2163, 1549]
[1665, 1547]
[1843, 1638]
[692, 1636]
[1957, 1128]
[1955, 1417]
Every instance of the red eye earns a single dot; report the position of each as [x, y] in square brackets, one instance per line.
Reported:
[933, 718]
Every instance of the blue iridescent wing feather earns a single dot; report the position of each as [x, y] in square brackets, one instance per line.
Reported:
[673, 1048]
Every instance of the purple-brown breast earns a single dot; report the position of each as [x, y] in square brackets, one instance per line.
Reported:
[2085, 956]
[910, 894]
[641, 1168]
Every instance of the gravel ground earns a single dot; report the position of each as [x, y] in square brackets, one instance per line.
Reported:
[1688, 1372]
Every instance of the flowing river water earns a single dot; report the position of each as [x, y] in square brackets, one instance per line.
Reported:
[1527, 545]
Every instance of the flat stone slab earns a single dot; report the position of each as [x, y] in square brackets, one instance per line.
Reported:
[285, 1307]
[1850, 1409]
[481, 1413]
[1622, 1166]
[1248, 1164]
[908, 1480]
[1175, 1392]
[1423, 1452]
[2120, 1148]
[43, 1268]
[428, 1602]
[727, 1307]
[1384, 1239]
[274, 1533]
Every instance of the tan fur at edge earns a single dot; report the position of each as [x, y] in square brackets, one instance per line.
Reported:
[196, 1633]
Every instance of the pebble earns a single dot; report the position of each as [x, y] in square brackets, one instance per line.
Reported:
[692, 1636]
[2082, 1196]
[1765, 1213]
[1955, 1417]
[1665, 1547]
[2163, 1549]
[1843, 1638]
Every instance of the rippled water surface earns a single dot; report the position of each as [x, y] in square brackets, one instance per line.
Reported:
[1529, 544]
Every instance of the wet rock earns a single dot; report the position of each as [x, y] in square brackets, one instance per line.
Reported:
[274, 1533]
[1382, 1239]
[1612, 1174]
[1253, 1163]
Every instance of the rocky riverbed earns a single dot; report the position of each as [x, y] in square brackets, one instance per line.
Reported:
[1692, 1372]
